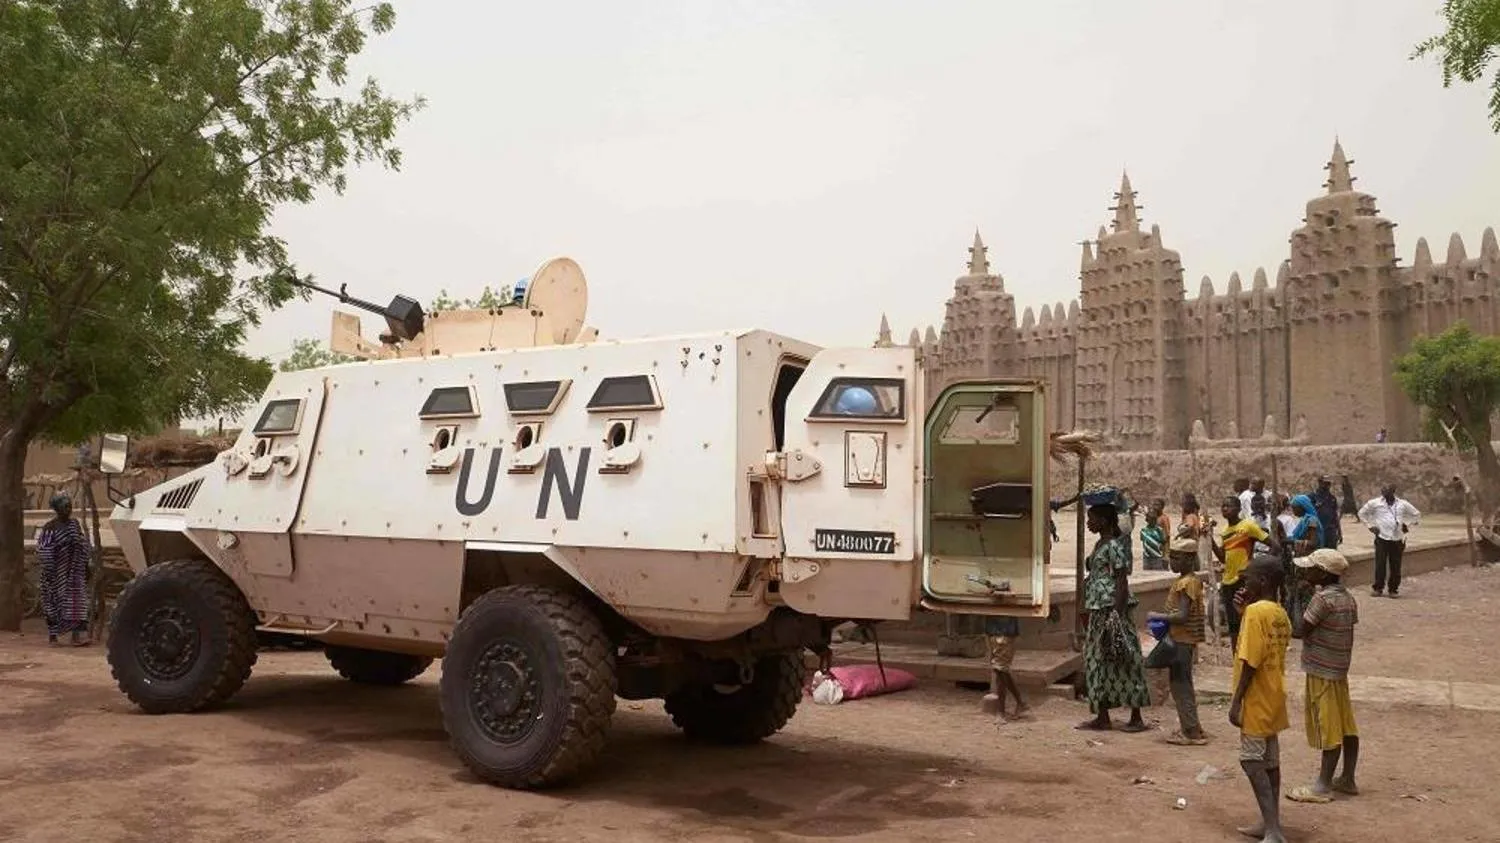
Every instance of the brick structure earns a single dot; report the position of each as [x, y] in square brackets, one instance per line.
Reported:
[1306, 360]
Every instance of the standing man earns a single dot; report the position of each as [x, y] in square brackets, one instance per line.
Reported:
[1259, 513]
[1327, 507]
[1389, 518]
[1256, 489]
[1233, 554]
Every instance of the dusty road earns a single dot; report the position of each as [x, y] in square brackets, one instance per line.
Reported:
[301, 754]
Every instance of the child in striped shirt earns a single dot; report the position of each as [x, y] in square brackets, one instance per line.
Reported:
[1327, 632]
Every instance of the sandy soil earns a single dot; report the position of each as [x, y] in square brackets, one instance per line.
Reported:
[302, 754]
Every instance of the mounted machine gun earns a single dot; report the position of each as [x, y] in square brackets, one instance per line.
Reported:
[546, 308]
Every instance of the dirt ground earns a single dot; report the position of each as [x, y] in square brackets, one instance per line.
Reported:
[300, 753]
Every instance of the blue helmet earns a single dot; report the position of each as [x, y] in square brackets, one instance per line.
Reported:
[856, 401]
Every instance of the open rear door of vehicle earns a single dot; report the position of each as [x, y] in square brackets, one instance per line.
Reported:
[986, 501]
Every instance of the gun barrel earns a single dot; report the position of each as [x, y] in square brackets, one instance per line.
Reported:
[342, 296]
[403, 316]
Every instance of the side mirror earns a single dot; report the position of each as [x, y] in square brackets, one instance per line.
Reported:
[114, 451]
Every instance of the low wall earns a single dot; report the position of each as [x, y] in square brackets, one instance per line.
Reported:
[1422, 473]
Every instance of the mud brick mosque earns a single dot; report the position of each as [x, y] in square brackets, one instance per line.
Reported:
[1137, 360]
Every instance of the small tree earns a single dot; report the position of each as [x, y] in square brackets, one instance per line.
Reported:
[487, 299]
[144, 147]
[1455, 378]
[310, 354]
[1468, 45]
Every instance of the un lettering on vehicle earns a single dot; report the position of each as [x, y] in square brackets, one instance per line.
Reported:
[555, 481]
[854, 541]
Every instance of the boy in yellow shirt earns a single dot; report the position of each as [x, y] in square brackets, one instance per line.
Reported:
[1237, 543]
[1258, 708]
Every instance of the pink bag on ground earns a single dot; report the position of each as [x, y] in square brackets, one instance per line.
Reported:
[863, 680]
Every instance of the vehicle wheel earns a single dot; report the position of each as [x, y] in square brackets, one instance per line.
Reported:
[528, 686]
[742, 714]
[373, 667]
[181, 637]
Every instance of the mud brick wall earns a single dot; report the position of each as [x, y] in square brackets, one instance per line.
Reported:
[1422, 473]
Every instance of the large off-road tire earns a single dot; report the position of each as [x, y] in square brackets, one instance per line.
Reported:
[373, 667]
[528, 686]
[181, 638]
[742, 714]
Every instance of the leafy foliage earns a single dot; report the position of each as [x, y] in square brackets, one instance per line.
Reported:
[487, 299]
[144, 145]
[310, 354]
[1455, 377]
[143, 148]
[1468, 45]
[1447, 433]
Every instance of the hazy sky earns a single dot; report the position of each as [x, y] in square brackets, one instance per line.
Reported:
[803, 166]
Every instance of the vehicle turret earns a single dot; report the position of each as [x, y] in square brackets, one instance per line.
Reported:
[545, 308]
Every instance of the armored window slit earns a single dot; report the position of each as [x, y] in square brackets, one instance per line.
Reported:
[626, 392]
[539, 398]
[280, 417]
[450, 402]
[867, 399]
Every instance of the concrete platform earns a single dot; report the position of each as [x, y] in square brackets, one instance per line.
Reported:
[1035, 668]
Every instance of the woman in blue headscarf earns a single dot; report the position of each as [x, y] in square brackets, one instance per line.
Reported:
[1304, 538]
[1307, 536]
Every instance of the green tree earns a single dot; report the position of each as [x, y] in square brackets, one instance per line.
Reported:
[1468, 45]
[310, 354]
[143, 149]
[1455, 378]
[488, 298]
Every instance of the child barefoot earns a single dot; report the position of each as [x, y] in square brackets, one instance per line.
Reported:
[1327, 630]
[1259, 704]
[1184, 613]
[1001, 633]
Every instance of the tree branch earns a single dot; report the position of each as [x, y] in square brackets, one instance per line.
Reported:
[1448, 431]
[13, 347]
[214, 105]
[40, 412]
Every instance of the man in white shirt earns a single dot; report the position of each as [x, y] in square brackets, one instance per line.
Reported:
[1389, 518]
[1257, 489]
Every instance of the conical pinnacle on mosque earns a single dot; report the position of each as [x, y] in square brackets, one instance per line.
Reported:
[1339, 179]
[979, 263]
[1127, 217]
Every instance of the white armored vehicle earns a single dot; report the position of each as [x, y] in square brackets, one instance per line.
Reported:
[566, 520]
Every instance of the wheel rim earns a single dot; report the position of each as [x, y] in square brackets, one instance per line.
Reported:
[505, 692]
[167, 643]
